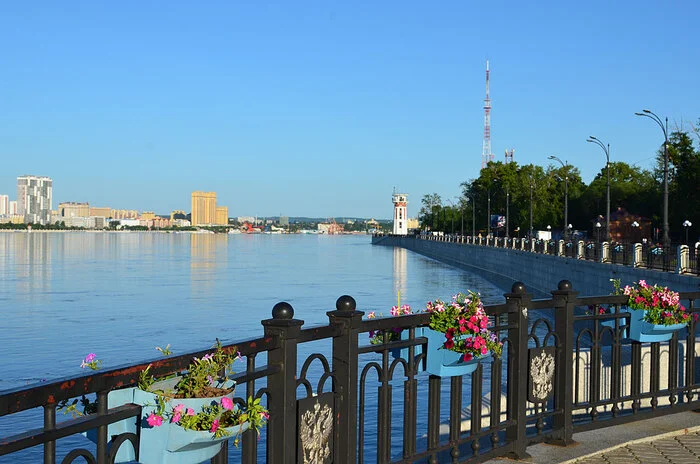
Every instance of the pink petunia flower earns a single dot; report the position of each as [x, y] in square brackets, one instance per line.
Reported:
[176, 418]
[227, 403]
[179, 408]
[214, 426]
[154, 420]
[190, 412]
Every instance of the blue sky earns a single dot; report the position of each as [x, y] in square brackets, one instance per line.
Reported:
[321, 108]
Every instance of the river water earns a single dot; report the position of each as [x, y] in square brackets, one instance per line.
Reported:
[119, 295]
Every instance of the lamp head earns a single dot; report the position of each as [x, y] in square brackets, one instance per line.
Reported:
[639, 114]
[646, 111]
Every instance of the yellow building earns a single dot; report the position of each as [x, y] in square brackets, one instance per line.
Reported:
[148, 215]
[124, 214]
[72, 209]
[179, 213]
[222, 215]
[203, 208]
[101, 212]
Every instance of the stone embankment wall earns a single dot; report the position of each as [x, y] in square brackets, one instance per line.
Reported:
[539, 272]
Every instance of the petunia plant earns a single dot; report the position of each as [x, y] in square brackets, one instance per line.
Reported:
[377, 337]
[465, 325]
[661, 305]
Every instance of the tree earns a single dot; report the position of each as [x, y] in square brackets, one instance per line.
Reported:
[430, 209]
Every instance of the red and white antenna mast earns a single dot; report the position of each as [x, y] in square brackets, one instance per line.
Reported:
[487, 156]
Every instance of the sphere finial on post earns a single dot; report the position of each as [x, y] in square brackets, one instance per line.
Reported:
[518, 287]
[564, 285]
[346, 303]
[283, 310]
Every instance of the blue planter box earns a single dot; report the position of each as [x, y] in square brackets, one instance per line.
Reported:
[446, 363]
[168, 443]
[402, 353]
[643, 331]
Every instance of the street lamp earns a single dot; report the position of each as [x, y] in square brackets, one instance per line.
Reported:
[607, 169]
[566, 191]
[657, 120]
[452, 216]
[635, 228]
[517, 229]
[569, 227]
[507, 212]
[687, 224]
[597, 226]
[532, 187]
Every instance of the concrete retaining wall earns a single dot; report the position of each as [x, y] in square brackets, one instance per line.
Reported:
[540, 273]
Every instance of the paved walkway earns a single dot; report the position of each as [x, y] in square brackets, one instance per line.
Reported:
[677, 449]
[667, 439]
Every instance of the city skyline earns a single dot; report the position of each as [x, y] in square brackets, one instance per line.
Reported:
[322, 109]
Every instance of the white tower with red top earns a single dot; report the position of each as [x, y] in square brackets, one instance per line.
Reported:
[400, 217]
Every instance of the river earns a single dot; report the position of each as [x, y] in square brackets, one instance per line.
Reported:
[120, 295]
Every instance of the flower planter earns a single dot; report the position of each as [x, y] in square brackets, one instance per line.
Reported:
[643, 331]
[446, 363]
[397, 353]
[168, 443]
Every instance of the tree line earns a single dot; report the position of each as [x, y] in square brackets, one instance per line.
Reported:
[511, 186]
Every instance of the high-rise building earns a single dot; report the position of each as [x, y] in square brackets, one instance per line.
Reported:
[13, 207]
[203, 208]
[4, 205]
[34, 195]
[72, 209]
[100, 211]
[222, 215]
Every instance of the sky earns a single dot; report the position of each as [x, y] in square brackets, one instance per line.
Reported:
[322, 108]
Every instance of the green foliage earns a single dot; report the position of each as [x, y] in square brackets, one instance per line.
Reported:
[202, 372]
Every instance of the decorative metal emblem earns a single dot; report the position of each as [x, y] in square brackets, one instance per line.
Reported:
[524, 311]
[316, 429]
[542, 367]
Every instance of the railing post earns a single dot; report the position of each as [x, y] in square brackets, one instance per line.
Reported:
[580, 250]
[560, 248]
[282, 427]
[532, 245]
[564, 302]
[518, 301]
[605, 252]
[345, 365]
[637, 260]
[683, 262]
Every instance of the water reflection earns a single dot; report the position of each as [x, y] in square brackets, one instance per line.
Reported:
[400, 273]
[208, 252]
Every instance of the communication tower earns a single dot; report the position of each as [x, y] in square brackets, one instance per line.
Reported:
[509, 155]
[400, 217]
[487, 156]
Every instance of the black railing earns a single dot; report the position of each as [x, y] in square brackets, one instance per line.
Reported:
[566, 367]
[650, 255]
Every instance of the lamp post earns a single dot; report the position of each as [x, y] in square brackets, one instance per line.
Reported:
[452, 216]
[473, 216]
[532, 186]
[568, 230]
[607, 169]
[687, 224]
[517, 229]
[597, 227]
[657, 120]
[566, 192]
[635, 228]
[488, 215]
[507, 212]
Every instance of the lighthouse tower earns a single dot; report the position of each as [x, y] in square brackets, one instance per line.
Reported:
[400, 217]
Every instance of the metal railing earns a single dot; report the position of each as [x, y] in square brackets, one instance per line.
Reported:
[566, 367]
[651, 256]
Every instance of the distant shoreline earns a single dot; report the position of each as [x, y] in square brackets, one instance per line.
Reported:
[194, 232]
